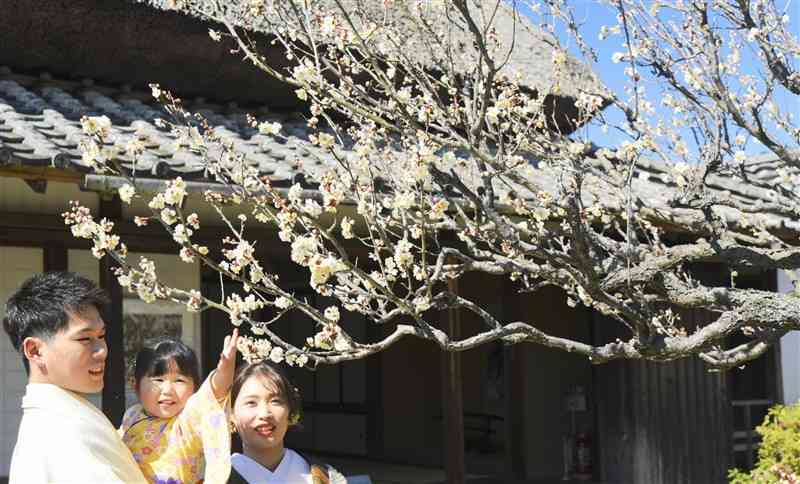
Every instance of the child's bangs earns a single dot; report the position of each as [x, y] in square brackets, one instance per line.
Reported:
[160, 357]
[164, 364]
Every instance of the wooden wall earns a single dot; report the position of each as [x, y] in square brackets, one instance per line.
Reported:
[662, 423]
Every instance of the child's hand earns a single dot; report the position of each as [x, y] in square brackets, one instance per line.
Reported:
[222, 379]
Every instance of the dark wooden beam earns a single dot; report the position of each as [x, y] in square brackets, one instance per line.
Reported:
[515, 410]
[374, 397]
[453, 402]
[55, 258]
[114, 388]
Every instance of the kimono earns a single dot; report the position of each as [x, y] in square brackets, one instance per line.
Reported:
[64, 438]
[191, 447]
[293, 469]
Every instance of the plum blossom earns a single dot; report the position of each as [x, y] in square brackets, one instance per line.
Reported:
[126, 192]
[402, 253]
[269, 128]
[332, 314]
[303, 249]
[96, 125]
[283, 302]
[347, 227]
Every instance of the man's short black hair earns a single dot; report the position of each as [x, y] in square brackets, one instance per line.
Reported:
[41, 305]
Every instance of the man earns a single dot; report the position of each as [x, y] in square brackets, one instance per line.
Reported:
[53, 320]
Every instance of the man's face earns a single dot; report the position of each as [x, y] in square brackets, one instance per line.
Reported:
[75, 357]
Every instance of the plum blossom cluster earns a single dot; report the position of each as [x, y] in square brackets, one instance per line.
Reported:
[330, 338]
[258, 349]
[239, 307]
[83, 225]
[143, 281]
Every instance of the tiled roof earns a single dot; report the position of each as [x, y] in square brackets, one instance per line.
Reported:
[39, 126]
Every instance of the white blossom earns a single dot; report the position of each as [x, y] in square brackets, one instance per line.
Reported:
[181, 234]
[283, 302]
[322, 268]
[269, 128]
[438, 209]
[347, 227]
[169, 216]
[405, 200]
[126, 192]
[326, 141]
[187, 255]
[175, 192]
[295, 193]
[96, 125]
[194, 301]
[276, 355]
[332, 314]
[402, 254]
[157, 202]
[303, 249]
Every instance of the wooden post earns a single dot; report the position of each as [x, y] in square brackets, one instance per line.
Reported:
[453, 403]
[515, 408]
[55, 258]
[114, 388]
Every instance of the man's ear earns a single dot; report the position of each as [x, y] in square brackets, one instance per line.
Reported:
[32, 348]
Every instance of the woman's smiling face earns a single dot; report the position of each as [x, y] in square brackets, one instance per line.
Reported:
[261, 415]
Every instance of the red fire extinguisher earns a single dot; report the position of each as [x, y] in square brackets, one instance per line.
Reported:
[583, 457]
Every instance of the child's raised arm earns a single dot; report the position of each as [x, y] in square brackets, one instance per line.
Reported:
[222, 379]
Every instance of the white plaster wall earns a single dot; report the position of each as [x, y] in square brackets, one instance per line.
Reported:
[17, 197]
[790, 353]
[16, 265]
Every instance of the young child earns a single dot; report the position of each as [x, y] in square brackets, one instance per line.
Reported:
[265, 404]
[178, 435]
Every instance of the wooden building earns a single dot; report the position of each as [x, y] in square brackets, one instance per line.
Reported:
[647, 422]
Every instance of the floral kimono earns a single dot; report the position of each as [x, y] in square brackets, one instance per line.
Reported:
[194, 446]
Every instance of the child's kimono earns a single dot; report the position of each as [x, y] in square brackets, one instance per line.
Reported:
[193, 446]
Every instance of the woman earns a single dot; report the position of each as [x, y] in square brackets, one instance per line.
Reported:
[265, 405]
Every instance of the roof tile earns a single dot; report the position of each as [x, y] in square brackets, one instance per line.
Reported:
[39, 126]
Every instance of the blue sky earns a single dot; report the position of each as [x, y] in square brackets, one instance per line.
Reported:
[592, 15]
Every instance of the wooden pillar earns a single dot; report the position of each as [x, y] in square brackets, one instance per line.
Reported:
[114, 388]
[453, 403]
[55, 258]
[515, 406]
[374, 398]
